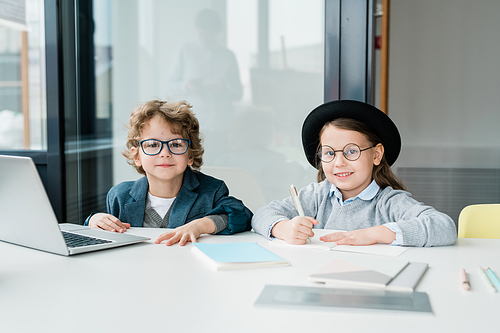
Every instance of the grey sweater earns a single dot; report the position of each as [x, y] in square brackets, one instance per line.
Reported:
[421, 225]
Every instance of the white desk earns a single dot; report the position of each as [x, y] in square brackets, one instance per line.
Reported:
[148, 287]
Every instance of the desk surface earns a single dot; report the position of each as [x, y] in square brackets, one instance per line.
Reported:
[145, 287]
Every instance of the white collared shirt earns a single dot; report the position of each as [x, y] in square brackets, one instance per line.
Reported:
[367, 194]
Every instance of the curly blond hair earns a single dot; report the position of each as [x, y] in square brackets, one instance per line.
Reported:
[179, 115]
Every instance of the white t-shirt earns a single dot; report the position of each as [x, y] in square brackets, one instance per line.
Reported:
[160, 205]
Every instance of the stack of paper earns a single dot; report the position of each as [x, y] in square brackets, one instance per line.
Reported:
[238, 255]
[408, 279]
[386, 273]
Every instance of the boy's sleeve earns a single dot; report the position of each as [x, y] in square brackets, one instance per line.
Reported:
[220, 221]
[111, 205]
[238, 215]
[86, 223]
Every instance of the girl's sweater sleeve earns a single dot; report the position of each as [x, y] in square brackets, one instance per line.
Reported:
[266, 217]
[421, 225]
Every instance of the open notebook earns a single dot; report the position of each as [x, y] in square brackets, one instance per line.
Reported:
[27, 217]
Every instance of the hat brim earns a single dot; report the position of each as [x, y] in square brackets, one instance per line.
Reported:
[378, 121]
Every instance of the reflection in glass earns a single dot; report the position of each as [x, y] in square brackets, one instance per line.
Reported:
[22, 82]
[206, 74]
[249, 70]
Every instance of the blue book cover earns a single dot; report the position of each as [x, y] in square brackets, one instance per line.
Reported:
[238, 255]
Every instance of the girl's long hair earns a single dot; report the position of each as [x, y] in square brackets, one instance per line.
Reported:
[382, 173]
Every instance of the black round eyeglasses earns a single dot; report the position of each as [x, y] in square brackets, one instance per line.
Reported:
[351, 152]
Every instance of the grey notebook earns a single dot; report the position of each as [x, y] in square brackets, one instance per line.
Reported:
[408, 279]
[27, 217]
[368, 272]
[360, 271]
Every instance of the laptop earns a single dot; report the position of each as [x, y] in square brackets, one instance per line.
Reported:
[27, 217]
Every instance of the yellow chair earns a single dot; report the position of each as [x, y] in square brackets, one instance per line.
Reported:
[479, 221]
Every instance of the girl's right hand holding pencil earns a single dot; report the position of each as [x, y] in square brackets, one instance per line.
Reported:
[295, 231]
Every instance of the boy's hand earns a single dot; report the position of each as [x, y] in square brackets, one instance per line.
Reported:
[366, 236]
[188, 232]
[108, 222]
[295, 231]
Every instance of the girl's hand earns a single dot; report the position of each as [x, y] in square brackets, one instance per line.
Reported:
[188, 232]
[108, 222]
[295, 231]
[366, 236]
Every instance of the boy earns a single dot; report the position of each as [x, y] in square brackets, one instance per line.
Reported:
[164, 144]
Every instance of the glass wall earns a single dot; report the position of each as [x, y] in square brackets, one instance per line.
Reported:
[443, 96]
[250, 71]
[22, 76]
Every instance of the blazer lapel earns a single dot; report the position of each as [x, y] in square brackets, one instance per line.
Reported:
[184, 201]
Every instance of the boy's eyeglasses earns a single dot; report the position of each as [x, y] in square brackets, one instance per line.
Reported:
[351, 152]
[175, 146]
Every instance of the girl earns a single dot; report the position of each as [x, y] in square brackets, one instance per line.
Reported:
[353, 145]
[164, 145]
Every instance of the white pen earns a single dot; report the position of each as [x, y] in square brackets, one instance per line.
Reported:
[296, 202]
[487, 280]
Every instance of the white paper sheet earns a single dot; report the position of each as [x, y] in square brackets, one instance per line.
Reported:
[317, 244]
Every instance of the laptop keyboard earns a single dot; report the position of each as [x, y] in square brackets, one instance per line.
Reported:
[76, 240]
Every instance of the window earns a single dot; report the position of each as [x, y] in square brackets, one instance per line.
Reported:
[103, 58]
[22, 77]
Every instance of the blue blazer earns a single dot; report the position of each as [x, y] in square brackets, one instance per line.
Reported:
[199, 196]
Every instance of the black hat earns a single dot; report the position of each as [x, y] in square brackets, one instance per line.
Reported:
[378, 121]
